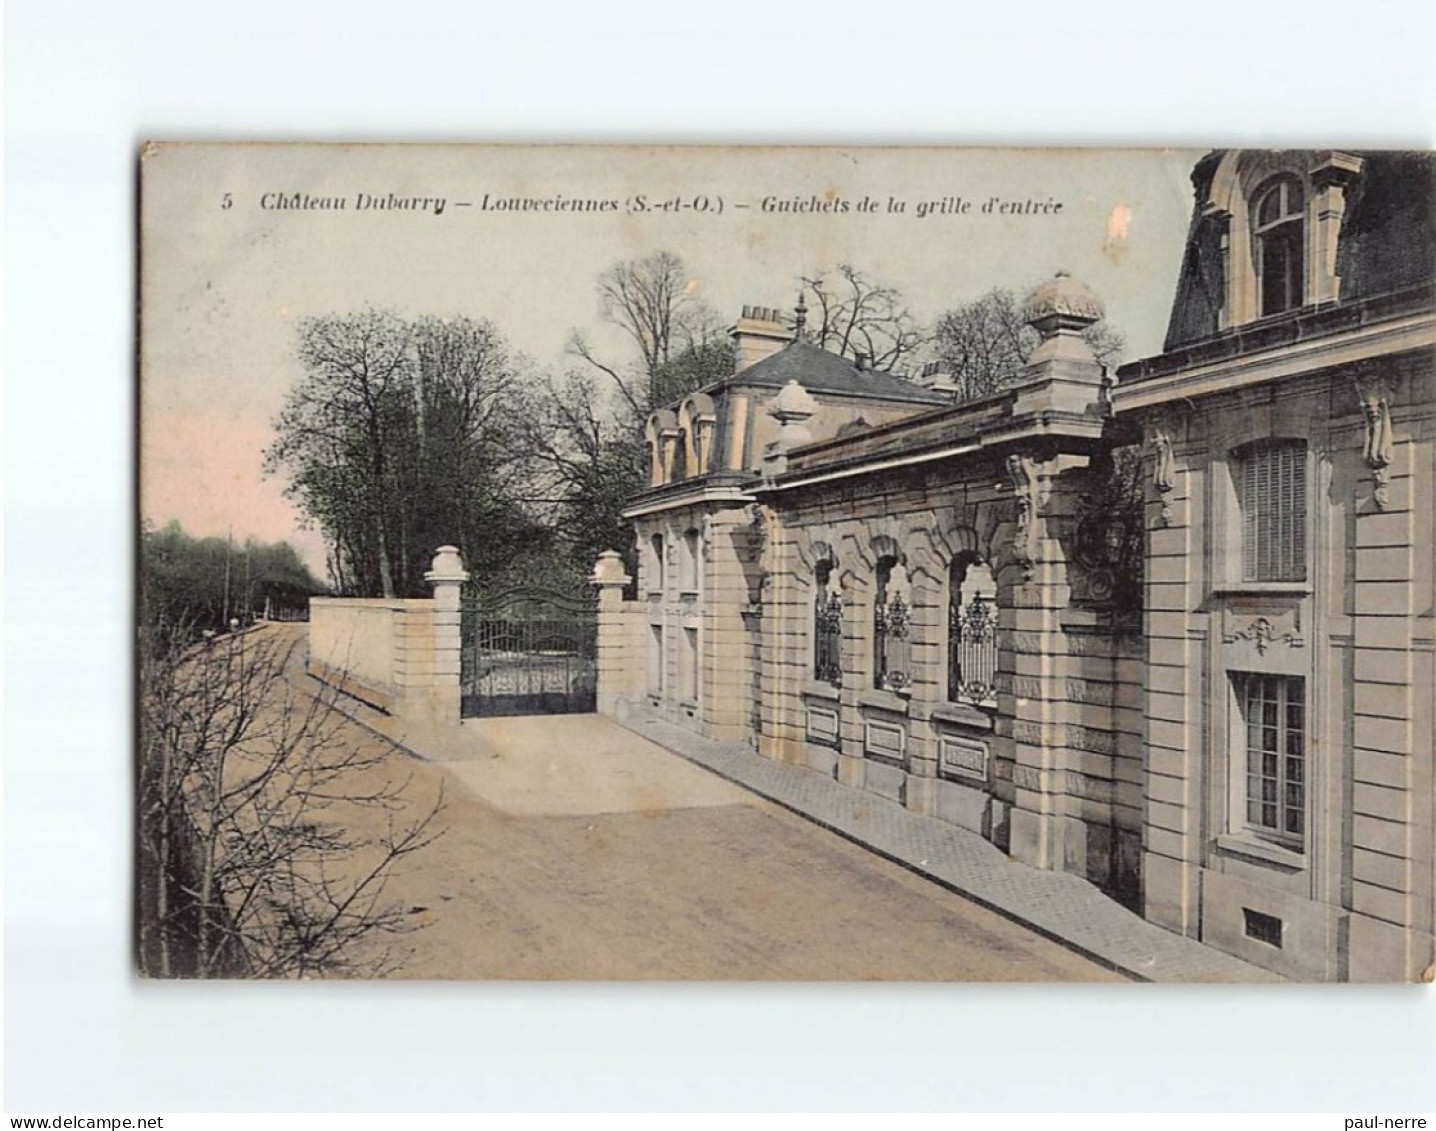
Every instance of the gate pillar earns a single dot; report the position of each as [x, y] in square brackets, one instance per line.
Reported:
[614, 657]
[446, 579]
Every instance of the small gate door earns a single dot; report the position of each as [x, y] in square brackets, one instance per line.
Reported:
[529, 652]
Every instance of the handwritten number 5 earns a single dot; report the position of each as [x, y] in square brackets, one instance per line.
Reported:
[228, 201]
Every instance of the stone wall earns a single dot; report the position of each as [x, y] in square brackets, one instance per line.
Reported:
[361, 645]
[1051, 767]
[400, 655]
[1350, 898]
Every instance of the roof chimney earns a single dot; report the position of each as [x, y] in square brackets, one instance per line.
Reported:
[932, 376]
[759, 333]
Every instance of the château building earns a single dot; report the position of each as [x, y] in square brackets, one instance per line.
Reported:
[1170, 629]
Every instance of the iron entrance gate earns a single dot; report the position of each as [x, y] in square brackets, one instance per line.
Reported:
[529, 652]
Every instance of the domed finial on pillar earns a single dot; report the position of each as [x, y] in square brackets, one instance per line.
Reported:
[1060, 310]
[800, 320]
[792, 407]
[1062, 303]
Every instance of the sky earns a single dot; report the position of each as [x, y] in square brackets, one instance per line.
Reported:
[233, 257]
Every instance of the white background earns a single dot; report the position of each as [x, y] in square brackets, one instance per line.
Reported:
[86, 81]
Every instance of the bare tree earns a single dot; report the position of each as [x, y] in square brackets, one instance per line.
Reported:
[401, 436]
[651, 300]
[851, 313]
[249, 790]
[591, 460]
[340, 430]
[984, 344]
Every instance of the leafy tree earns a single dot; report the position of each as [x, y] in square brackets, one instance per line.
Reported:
[591, 461]
[694, 367]
[984, 344]
[205, 582]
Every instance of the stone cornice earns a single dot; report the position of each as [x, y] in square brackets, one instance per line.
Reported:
[729, 488]
[1281, 348]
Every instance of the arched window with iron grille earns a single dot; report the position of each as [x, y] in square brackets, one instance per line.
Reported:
[892, 627]
[827, 625]
[971, 631]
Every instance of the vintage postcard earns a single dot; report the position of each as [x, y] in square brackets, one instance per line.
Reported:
[612, 563]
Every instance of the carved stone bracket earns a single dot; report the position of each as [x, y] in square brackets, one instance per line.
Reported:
[1375, 397]
[707, 539]
[1033, 488]
[1162, 471]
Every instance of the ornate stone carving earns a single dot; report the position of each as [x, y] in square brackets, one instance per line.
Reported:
[1162, 471]
[1375, 397]
[1032, 490]
[706, 544]
[1261, 632]
[1105, 541]
[1062, 302]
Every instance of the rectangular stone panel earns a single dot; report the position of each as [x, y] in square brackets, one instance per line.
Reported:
[1393, 735]
[1162, 815]
[963, 758]
[1379, 801]
[884, 740]
[822, 725]
[1384, 700]
[1384, 529]
[1387, 837]
[1383, 563]
[1383, 598]
[1381, 768]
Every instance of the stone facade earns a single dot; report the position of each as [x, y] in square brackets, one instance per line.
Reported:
[1324, 622]
[1232, 729]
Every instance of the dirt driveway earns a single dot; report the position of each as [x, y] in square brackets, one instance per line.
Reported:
[573, 848]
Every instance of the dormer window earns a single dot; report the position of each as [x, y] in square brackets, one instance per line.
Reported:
[1273, 217]
[1279, 245]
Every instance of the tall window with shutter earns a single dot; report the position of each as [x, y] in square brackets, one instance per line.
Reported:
[1273, 495]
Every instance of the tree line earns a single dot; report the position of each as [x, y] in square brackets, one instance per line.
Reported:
[193, 584]
[404, 434]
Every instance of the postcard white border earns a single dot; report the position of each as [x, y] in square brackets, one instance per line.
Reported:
[86, 81]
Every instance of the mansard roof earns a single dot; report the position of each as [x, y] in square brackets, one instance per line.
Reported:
[1386, 243]
[819, 371]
